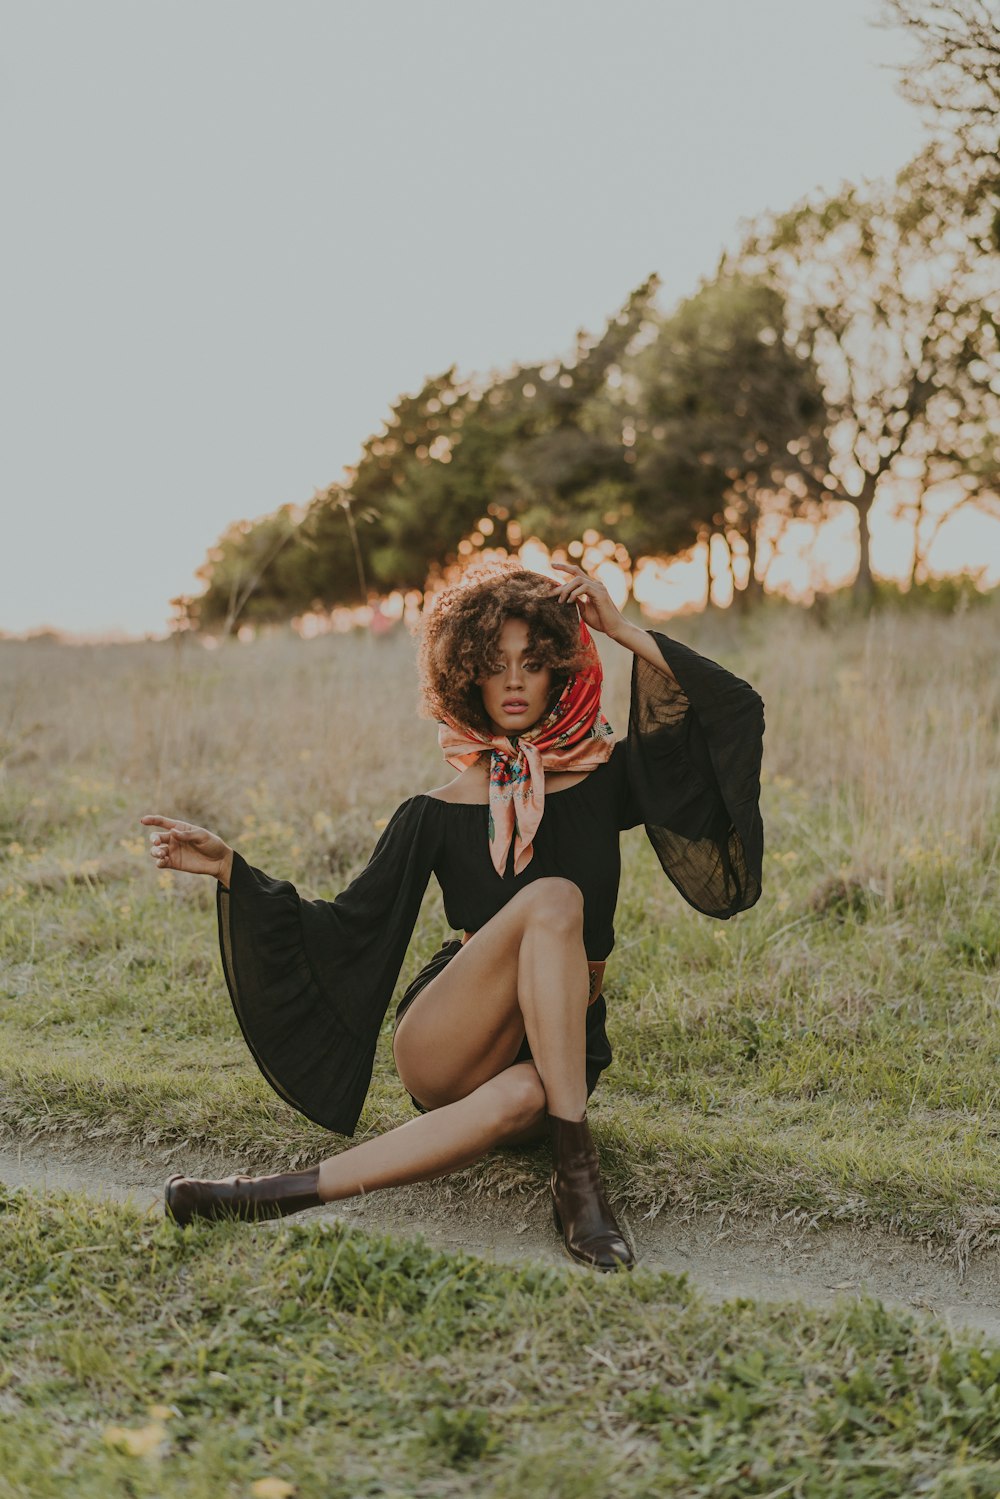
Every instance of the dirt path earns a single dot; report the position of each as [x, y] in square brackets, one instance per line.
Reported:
[765, 1262]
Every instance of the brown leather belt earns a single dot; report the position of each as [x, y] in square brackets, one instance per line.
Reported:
[596, 972]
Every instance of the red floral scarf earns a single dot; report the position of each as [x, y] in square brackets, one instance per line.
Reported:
[575, 735]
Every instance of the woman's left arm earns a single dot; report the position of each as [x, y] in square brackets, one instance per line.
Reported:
[599, 612]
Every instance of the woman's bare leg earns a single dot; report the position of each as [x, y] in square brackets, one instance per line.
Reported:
[524, 972]
[497, 1112]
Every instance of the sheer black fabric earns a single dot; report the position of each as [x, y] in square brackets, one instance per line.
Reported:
[694, 777]
[311, 981]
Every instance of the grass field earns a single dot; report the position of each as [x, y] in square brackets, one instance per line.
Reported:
[310, 1359]
[830, 1054]
[832, 1051]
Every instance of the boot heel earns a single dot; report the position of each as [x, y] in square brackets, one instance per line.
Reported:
[580, 1209]
[178, 1216]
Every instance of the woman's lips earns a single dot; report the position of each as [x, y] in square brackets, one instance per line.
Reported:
[515, 707]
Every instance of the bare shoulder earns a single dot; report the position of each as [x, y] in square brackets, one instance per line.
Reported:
[470, 785]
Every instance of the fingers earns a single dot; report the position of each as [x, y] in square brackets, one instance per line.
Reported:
[159, 852]
[571, 588]
[173, 824]
[159, 843]
[571, 591]
[566, 567]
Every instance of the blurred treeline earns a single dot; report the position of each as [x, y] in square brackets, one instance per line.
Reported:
[847, 342]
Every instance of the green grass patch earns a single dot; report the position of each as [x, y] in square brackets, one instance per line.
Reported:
[140, 1361]
[834, 1051]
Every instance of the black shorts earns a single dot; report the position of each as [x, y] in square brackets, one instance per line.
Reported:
[598, 1055]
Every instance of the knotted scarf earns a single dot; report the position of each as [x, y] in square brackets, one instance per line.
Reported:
[575, 735]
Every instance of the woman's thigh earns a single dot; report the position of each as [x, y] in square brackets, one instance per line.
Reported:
[465, 1026]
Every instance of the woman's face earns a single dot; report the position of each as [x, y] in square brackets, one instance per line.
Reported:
[519, 695]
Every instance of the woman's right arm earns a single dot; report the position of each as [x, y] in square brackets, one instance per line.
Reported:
[188, 848]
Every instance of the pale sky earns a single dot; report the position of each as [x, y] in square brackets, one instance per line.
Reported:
[235, 231]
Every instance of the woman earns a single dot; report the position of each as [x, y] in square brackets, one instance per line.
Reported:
[502, 1035]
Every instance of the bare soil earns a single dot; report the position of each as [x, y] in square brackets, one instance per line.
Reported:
[769, 1262]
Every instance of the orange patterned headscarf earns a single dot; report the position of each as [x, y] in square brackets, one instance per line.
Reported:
[575, 735]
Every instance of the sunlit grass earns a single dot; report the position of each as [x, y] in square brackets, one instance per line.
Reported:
[833, 1051]
[147, 1363]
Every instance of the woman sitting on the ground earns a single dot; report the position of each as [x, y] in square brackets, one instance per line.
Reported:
[502, 1033]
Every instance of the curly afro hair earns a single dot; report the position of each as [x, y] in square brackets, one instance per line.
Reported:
[459, 639]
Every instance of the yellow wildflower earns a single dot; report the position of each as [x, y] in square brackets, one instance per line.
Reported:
[141, 1441]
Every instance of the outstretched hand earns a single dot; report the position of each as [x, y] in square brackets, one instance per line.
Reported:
[596, 606]
[188, 848]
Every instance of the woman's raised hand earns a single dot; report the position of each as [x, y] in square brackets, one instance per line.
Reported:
[591, 597]
[186, 847]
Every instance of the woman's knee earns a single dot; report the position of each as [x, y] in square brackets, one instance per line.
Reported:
[555, 903]
[520, 1097]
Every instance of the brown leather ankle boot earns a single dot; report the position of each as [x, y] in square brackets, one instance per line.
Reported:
[243, 1197]
[579, 1206]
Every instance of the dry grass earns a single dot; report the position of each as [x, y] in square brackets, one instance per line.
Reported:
[833, 1050]
[889, 727]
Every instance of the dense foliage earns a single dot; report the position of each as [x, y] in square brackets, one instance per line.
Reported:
[845, 345]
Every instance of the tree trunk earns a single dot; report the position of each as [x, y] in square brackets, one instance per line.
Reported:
[707, 539]
[755, 588]
[918, 518]
[864, 586]
[748, 597]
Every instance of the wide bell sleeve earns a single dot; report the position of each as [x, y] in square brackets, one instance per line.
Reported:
[693, 776]
[311, 980]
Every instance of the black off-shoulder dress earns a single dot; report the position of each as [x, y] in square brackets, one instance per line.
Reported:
[311, 980]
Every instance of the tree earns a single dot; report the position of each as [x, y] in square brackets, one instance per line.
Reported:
[241, 576]
[888, 291]
[535, 450]
[568, 468]
[403, 483]
[954, 77]
[333, 541]
[729, 423]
